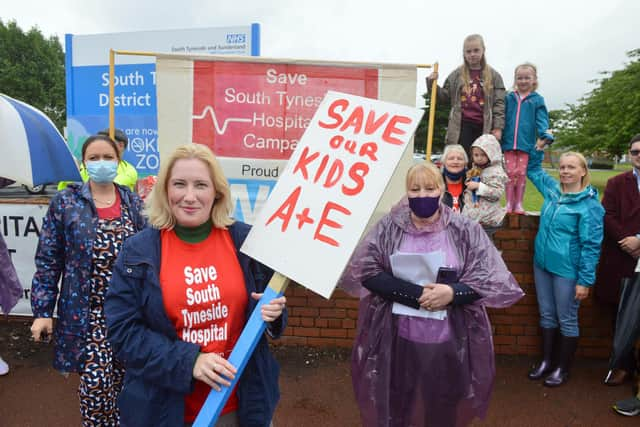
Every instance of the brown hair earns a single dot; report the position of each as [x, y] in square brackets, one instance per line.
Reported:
[158, 208]
[93, 138]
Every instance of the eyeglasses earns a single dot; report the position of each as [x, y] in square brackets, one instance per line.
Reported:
[634, 152]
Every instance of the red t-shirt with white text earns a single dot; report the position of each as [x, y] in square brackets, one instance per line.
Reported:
[205, 298]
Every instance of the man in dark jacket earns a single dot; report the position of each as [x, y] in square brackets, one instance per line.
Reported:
[621, 245]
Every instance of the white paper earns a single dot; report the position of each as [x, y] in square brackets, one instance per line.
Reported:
[418, 269]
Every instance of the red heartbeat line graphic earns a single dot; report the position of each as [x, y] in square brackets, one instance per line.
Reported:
[208, 110]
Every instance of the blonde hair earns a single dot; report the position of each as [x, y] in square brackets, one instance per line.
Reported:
[486, 70]
[425, 172]
[535, 75]
[586, 179]
[448, 149]
[158, 208]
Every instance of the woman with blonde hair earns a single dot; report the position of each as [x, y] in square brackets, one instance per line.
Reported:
[180, 296]
[567, 249]
[476, 94]
[423, 354]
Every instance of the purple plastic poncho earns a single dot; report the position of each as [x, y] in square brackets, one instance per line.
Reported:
[410, 371]
[10, 288]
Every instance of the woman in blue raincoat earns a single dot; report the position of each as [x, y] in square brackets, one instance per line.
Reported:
[567, 249]
[433, 366]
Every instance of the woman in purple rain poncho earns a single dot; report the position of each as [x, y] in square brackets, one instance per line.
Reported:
[10, 289]
[410, 370]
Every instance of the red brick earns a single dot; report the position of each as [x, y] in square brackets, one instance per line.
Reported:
[519, 267]
[297, 301]
[516, 255]
[507, 244]
[300, 291]
[336, 313]
[500, 320]
[502, 339]
[502, 330]
[528, 340]
[524, 309]
[334, 323]
[306, 332]
[320, 302]
[305, 312]
[307, 322]
[333, 332]
[516, 330]
[321, 323]
[347, 303]
[339, 293]
[352, 314]
[293, 321]
[349, 324]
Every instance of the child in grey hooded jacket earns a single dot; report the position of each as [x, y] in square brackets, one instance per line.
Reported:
[482, 197]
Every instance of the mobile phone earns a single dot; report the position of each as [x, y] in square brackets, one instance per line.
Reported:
[446, 275]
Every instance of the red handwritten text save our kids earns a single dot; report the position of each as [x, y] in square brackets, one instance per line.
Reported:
[355, 128]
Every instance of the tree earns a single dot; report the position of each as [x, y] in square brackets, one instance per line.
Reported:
[32, 70]
[605, 119]
[439, 129]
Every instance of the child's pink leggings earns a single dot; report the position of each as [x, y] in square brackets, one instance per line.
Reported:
[516, 162]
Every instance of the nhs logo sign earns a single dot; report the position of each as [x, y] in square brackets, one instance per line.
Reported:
[234, 38]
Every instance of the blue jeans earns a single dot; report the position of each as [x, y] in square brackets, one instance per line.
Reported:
[557, 302]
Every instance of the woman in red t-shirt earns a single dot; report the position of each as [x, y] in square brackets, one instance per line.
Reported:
[180, 297]
[454, 169]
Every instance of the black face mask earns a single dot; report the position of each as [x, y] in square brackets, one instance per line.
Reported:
[455, 176]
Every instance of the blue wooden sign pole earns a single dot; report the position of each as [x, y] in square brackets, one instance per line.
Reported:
[241, 353]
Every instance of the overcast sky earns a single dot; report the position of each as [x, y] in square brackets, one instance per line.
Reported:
[570, 41]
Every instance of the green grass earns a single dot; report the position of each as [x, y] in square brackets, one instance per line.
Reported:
[533, 200]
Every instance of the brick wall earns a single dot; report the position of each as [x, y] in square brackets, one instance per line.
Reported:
[314, 321]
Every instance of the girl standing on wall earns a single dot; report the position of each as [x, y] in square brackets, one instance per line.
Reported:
[476, 94]
[526, 128]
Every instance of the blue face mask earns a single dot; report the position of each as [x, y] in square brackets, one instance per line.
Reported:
[102, 171]
[424, 207]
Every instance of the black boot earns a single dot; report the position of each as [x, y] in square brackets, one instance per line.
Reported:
[546, 365]
[566, 350]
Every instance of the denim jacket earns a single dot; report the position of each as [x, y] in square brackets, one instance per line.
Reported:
[65, 249]
[159, 366]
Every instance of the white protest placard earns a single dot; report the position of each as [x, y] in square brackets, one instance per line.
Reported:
[321, 204]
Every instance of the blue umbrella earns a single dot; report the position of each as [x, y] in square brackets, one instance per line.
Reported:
[32, 150]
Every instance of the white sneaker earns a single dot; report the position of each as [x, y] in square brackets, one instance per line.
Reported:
[4, 368]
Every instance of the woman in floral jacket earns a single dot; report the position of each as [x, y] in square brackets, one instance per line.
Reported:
[80, 239]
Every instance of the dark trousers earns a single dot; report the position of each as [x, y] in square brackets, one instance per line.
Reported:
[469, 132]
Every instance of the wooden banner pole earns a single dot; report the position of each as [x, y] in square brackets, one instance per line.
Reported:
[432, 115]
